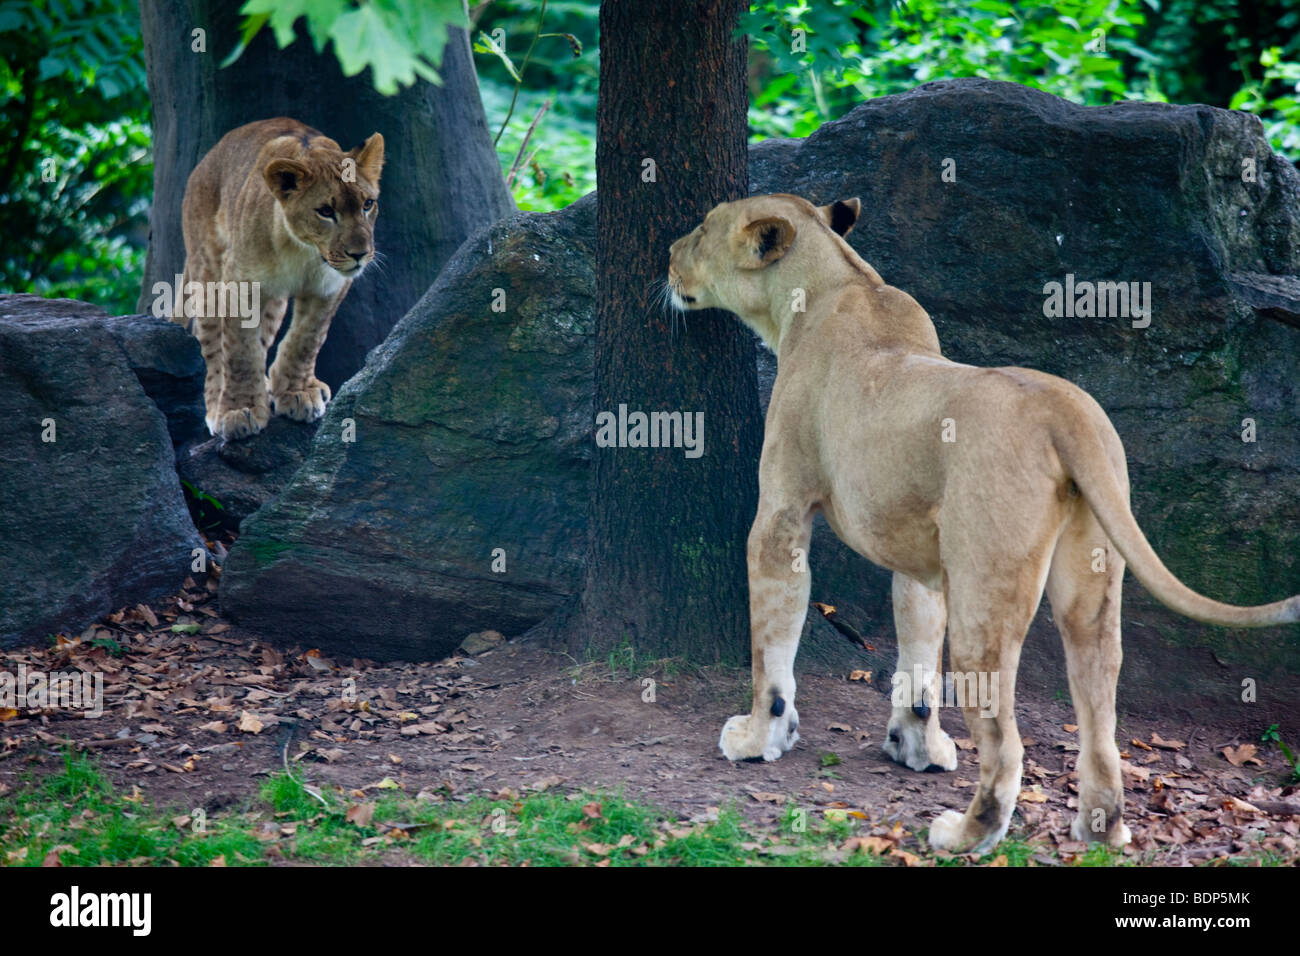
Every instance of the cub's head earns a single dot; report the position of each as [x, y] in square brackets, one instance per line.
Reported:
[331, 200]
[724, 263]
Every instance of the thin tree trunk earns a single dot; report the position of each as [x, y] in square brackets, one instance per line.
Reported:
[666, 572]
[441, 177]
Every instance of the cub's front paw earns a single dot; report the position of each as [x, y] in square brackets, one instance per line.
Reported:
[242, 422]
[304, 405]
[743, 740]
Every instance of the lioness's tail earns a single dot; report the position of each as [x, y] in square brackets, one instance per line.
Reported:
[1085, 458]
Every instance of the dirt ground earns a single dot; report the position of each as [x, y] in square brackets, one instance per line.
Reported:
[197, 713]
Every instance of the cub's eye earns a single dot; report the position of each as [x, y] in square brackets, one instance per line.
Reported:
[325, 212]
[368, 205]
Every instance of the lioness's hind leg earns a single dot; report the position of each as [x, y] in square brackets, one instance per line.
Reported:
[914, 737]
[989, 612]
[778, 602]
[1084, 587]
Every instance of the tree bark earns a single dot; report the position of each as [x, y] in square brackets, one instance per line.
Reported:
[666, 571]
[441, 179]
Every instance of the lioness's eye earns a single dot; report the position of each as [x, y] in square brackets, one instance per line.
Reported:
[368, 205]
[325, 212]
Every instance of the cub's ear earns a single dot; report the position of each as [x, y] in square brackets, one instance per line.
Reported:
[285, 177]
[763, 241]
[842, 215]
[370, 157]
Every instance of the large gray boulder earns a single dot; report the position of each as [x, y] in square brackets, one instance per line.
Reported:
[472, 426]
[446, 490]
[94, 519]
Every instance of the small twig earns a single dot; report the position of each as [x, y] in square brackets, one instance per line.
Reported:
[522, 66]
[514, 168]
[284, 757]
[850, 632]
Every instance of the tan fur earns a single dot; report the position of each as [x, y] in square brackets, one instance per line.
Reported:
[974, 529]
[250, 214]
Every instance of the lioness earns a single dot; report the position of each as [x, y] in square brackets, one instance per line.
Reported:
[1030, 480]
[278, 204]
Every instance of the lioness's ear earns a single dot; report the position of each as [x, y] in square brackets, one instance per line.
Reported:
[370, 157]
[842, 215]
[285, 177]
[764, 240]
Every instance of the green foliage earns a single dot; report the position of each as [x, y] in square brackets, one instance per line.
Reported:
[399, 40]
[813, 60]
[75, 171]
[1280, 115]
[529, 52]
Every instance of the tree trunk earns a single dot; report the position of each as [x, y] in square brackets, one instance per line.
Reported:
[666, 571]
[441, 179]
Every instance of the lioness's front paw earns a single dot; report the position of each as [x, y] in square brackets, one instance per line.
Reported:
[915, 745]
[304, 405]
[242, 422]
[945, 831]
[743, 740]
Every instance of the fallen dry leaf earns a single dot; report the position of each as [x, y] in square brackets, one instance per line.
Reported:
[1157, 741]
[867, 844]
[249, 723]
[361, 814]
[1239, 756]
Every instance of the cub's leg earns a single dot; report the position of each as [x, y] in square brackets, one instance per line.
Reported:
[990, 605]
[915, 738]
[269, 328]
[779, 583]
[208, 332]
[245, 408]
[295, 389]
[1084, 589]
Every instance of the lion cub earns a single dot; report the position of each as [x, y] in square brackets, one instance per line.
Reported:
[280, 209]
[980, 488]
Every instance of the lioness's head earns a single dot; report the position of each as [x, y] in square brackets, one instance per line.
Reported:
[331, 200]
[728, 261]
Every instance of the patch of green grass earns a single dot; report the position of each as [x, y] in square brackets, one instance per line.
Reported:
[75, 814]
[1274, 736]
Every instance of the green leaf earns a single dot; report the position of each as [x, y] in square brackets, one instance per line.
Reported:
[487, 44]
[251, 25]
